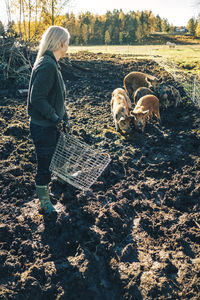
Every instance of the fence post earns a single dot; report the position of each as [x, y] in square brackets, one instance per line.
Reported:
[174, 70]
[194, 89]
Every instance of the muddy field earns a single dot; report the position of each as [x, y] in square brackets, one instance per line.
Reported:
[136, 234]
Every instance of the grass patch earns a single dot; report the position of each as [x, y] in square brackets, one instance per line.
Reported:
[186, 57]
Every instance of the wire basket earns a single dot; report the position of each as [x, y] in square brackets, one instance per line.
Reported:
[77, 163]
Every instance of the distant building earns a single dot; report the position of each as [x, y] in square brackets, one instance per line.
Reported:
[180, 29]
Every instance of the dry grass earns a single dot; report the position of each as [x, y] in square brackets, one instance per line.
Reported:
[185, 56]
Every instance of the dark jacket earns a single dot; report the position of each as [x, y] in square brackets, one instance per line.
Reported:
[46, 96]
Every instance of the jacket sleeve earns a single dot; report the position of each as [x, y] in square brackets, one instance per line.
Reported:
[65, 117]
[43, 82]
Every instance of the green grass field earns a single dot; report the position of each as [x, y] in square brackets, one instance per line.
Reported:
[187, 57]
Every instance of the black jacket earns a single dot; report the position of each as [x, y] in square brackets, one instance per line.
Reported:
[46, 96]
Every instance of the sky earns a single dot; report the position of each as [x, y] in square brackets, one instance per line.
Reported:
[177, 12]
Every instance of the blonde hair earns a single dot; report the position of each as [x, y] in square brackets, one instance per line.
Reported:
[52, 39]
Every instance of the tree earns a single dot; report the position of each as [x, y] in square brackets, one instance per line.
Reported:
[131, 25]
[122, 20]
[107, 37]
[96, 35]
[140, 28]
[85, 34]
[41, 13]
[69, 23]
[158, 23]
[165, 25]
[152, 23]
[11, 29]
[8, 10]
[30, 7]
[146, 23]
[33, 17]
[56, 6]
[191, 26]
[139, 32]
[2, 30]
[197, 30]
[122, 37]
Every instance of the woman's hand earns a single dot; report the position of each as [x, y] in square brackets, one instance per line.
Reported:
[63, 125]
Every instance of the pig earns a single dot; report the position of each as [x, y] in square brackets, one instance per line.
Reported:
[146, 107]
[140, 92]
[120, 109]
[168, 95]
[134, 80]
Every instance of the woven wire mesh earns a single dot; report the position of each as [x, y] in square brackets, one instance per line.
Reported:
[190, 82]
[77, 163]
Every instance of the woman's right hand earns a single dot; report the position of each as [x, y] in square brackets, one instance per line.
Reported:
[63, 125]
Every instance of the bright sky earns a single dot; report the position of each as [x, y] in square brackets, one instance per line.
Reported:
[177, 12]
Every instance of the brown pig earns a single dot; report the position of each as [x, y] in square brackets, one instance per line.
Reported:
[146, 107]
[140, 92]
[120, 109]
[134, 80]
[168, 95]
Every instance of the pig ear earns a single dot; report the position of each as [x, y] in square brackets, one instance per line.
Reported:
[145, 112]
[131, 108]
[121, 119]
[132, 114]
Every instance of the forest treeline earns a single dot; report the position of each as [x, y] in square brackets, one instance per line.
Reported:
[32, 17]
[114, 27]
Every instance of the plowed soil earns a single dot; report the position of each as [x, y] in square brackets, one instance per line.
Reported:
[136, 234]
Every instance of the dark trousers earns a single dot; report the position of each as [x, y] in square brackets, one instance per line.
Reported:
[45, 140]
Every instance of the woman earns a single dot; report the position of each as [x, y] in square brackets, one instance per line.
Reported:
[46, 106]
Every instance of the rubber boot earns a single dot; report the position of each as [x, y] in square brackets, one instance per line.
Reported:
[43, 195]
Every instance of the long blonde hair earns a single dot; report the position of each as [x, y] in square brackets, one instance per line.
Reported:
[52, 39]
